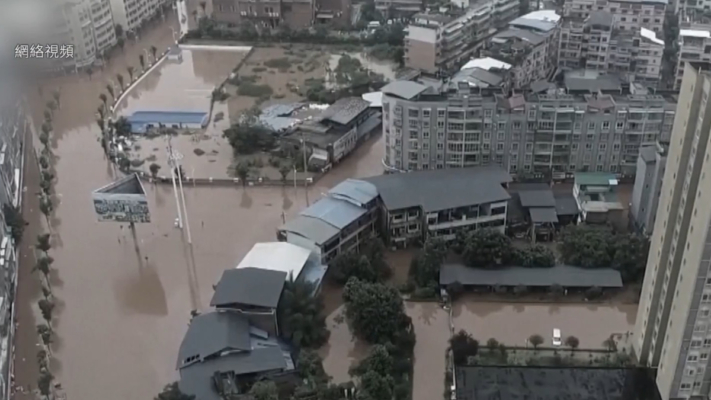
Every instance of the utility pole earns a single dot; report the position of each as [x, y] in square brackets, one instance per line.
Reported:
[171, 164]
[306, 169]
[176, 157]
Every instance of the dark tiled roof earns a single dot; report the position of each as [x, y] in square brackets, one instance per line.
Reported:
[345, 110]
[564, 275]
[210, 334]
[250, 286]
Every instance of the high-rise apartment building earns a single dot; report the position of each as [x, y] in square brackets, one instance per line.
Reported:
[131, 14]
[88, 26]
[694, 43]
[591, 124]
[651, 165]
[596, 43]
[628, 15]
[673, 328]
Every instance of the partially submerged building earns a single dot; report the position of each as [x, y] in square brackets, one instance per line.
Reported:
[537, 212]
[596, 195]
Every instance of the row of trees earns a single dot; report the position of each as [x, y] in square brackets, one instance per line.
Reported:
[489, 248]
[601, 247]
[368, 264]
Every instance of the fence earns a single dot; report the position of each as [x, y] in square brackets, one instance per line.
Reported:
[229, 181]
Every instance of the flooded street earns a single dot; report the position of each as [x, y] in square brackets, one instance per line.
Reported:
[121, 316]
[432, 330]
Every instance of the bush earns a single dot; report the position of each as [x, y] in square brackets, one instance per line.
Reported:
[593, 293]
[492, 344]
[486, 248]
[424, 293]
[463, 346]
[455, 289]
[254, 90]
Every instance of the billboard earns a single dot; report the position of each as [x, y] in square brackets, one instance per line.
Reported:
[122, 201]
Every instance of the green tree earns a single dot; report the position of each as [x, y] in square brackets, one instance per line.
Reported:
[486, 248]
[122, 127]
[536, 256]
[463, 346]
[630, 256]
[45, 333]
[110, 90]
[492, 344]
[47, 309]
[586, 246]
[376, 386]
[42, 359]
[310, 368]
[375, 311]
[14, 220]
[46, 187]
[142, 62]
[154, 52]
[119, 79]
[43, 265]
[46, 207]
[102, 125]
[425, 266]
[44, 383]
[171, 391]
[535, 340]
[130, 70]
[264, 390]
[351, 264]
[242, 171]
[52, 106]
[572, 342]
[47, 116]
[248, 137]
[46, 129]
[284, 172]
[43, 242]
[104, 100]
[154, 168]
[118, 29]
[378, 360]
[44, 139]
[57, 95]
[300, 315]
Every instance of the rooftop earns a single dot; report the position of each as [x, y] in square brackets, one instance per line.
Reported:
[168, 117]
[249, 286]
[648, 154]
[591, 81]
[212, 333]
[277, 256]
[600, 18]
[404, 89]
[130, 184]
[486, 63]
[595, 179]
[563, 275]
[517, 383]
[541, 21]
[463, 187]
[344, 110]
[355, 190]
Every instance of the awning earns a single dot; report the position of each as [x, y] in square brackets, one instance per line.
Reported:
[541, 215]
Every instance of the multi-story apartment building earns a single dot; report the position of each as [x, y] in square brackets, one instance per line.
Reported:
[673, 327]
[628, 15]
[88, 26]
[530, 45]
[596, 43]
[648, 186]
[694, 44]
[296, 14]
[400, 6]
[131, 14]
[591, 124]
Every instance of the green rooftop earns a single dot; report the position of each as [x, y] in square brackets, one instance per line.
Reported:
[595, 179]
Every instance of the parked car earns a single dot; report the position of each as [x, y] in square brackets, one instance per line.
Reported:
[557, 341]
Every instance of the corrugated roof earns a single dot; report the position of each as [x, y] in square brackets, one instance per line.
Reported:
[168, 117]
[648, 34]
[361, 192]
[564, 275]
[537, 198]
[197, 379]
[211, 333]
[277, 256]
[405, 89]
[595, 179]
[694, 33]
[565, 205]
[311, 228]
[442, 189]
[250, 286]
[344, 110]
[542, 215]
[486, 63]
[337, 213]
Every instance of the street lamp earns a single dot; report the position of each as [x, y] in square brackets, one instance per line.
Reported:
[174, 158]
[174, 34]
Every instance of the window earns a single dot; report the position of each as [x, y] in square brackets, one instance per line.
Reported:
[591, 126]
[441, 113]
[704, 356]
[619, 125]
[488, 113]
[685, 386]
[606, 126]
[692, 357]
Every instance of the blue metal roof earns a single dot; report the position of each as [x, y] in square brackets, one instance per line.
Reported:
[168, 117]
[359, 191]
[337, 213]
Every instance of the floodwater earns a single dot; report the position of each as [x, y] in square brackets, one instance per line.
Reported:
[513, 323]
[122, 313]
[431, 324]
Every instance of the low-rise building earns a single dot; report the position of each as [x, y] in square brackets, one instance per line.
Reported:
[535, 211]
[337, 131]
[401, 6]
[438, 204]
[628, 15]
[296, 14]
[596, 195]
[596, 43]
[336, 223]
[651, 165]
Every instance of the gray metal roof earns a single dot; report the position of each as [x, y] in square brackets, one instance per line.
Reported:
[521, 34]
[565, 205]
[211, 333]
[540, 215]
[405, 89]
[251, 286]
[537, 198]
[477, 77]
[197, 379]
[564, 275]
[337, 213]
[536, 24]
[575, 81]
[442, 189]
[344, 110]
[356, 190]
[312, 228]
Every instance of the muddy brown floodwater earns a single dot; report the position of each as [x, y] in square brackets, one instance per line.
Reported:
[121, 316]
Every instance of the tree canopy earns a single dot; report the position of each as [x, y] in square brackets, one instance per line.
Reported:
[486, 248]
[463, 346]
[368, 264]
[172, 392]
[375, 310]
[424, 268]
[264, 390]
[300, 315]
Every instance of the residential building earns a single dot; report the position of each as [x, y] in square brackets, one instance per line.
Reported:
[628, 15]
[336, 223]
[536, 212]
[483, 72]
[597, 199]
[400, 6]
[648, 187]
[132, 14]
[672, 329]
[440, 42]
[223, 354]
[296, 14]
[596, 43]
[414, 207]
[591, 122]
[88, 25]
[337, 131]
[694, 47]
[530, 45]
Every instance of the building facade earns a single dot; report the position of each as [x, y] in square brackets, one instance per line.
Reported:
[296, 14]
[628, 15]
[132, 14]
[426, 127]
[672, 328]
[648, 187]
[596, 43]
[694, 47]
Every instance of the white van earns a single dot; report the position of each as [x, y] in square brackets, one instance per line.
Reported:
[557, 341]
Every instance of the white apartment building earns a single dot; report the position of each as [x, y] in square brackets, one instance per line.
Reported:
[673, 327]
[628, 15]
[131, 14]
[694, 46]
[88, 25]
